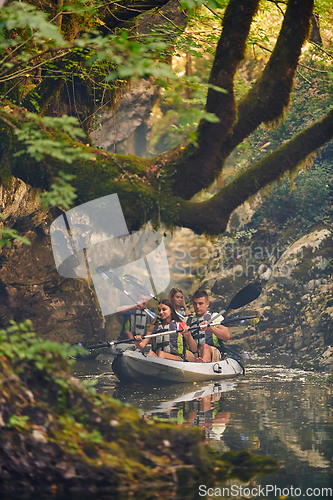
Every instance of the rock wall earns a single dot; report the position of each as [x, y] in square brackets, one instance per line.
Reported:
[126, 130]
[296, 305]
[30, 288]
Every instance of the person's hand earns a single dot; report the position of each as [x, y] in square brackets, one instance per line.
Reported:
[186, 331]
[137, 338]
[203, 326]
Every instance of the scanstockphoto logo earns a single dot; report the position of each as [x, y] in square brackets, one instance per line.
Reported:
[92, 241]
[233, 260]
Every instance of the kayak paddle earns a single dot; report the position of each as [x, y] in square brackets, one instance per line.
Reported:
[108, 274]
[134, 281]
[246, 295]
[165, 332]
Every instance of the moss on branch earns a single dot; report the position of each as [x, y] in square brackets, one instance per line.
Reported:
[270, 95]
[265, 102]
[197, 167]
[211, 217]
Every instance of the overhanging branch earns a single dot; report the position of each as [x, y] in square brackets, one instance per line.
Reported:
[270, 95]
[198, 166]
[211, 217]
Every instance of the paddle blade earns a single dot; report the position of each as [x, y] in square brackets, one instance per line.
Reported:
[134, 281]
[105, 273]
[237, 319]
[246, 295]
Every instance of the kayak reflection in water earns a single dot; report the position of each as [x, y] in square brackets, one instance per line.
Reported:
[207, 417]
[177, 345]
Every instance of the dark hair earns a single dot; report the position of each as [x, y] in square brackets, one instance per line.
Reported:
[199, 294]
[174, 315]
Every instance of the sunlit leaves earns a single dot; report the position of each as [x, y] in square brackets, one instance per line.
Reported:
[7, 235]
[35, 135]
[62, 193]
[192, 4]
[131, 58]
[32, 22]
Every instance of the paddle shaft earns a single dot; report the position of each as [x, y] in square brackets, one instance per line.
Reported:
[118, 284]
[246, 295]
[133, 300]
[126, 341]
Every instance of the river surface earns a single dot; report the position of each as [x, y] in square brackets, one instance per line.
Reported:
[274, 410]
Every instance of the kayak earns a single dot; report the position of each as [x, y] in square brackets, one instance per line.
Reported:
[119, 348]
[133, 366]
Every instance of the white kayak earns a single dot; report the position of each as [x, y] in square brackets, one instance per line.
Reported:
[133, 366]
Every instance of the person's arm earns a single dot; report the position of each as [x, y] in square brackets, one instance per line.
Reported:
[221, 332]
[124, 309]
[189, 339]
[142, 342]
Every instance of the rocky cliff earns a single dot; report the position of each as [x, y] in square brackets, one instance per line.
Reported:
[296, 306]
[30, 287]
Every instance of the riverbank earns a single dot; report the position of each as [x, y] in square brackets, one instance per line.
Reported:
[58, 437]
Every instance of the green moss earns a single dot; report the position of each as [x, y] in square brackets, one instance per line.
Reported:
[97, 440]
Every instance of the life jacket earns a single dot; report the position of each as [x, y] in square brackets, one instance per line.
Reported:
[182, 313]
[137, 322]
[206, 337]
[178, 344]
[174, 342]
[162, 341]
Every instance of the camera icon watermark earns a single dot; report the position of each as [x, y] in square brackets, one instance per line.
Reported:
[92, 241]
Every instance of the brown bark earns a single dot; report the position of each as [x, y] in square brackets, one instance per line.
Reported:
[265, 102]
[198, 166]
[315, 35]
[270, 95]
[211, 217]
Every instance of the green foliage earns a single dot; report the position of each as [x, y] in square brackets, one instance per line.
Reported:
[31, 23]
[131, 58]
[62, 193]
[19, 344]
[8, 235]
[191, 5]
[89, 385]
[35, 134]
[18, 421]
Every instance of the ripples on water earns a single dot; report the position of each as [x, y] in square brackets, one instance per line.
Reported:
[273, 410]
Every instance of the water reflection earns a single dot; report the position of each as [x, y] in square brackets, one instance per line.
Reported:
[274, 411]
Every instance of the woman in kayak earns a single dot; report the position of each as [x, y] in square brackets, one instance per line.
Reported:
[177, 345]
[177, 298]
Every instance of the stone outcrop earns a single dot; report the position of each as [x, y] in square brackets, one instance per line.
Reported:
[126, 130]
[30, 287]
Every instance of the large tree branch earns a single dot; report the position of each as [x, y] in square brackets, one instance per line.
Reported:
[197, 166]
[265, 102]
[211, 216]
[270, 95]
[116, 13]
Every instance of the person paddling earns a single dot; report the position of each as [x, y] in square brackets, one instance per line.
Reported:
[211, 344]
[136, 319]
[177, 345]
[177, 298]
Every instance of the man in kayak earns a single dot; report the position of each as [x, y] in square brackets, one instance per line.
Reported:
[211, 344]
[137, 318]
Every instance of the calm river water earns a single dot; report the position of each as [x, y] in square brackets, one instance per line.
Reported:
[273, 410]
